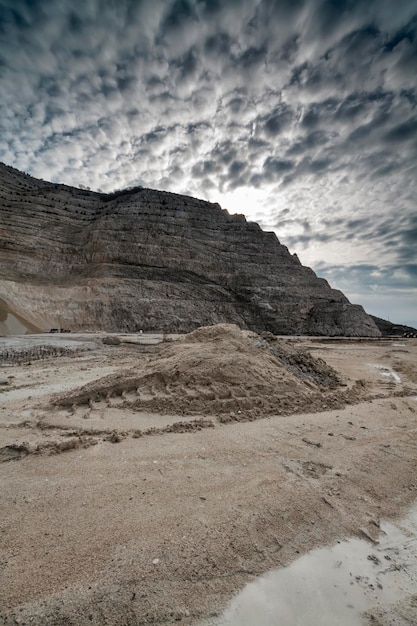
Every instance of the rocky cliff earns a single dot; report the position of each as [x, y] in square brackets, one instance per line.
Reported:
[144, 259]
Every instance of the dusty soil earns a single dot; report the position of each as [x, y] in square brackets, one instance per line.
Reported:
[147, 484]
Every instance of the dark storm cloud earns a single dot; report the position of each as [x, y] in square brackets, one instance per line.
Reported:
[274, 166]
[319, 112]
[194, 128]
[276, 121]
[368, 275]
[251, 58]
[372, 278]
[406, 131]
[236, 168]
[179, 14]
[397, 231]
[259, 146]
[236, 104]
[273, 169]
[224, 152]
[185, 66]
[157, 134]
[218, 44]
[205, 168]
[309, 142]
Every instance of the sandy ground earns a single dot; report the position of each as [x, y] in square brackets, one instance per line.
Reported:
[116, 514]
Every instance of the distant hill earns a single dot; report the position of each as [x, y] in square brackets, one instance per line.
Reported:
[152, 260]
[397, 330]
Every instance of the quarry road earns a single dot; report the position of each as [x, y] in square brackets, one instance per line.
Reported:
[114, 512]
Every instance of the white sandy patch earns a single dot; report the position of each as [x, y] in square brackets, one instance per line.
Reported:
[387, 373]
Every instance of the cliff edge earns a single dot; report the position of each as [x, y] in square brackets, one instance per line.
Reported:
[148, 260]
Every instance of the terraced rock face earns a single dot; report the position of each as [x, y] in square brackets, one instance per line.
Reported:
[144, 259]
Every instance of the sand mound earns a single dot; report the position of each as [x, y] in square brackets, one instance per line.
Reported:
[218, 370]
[218, 333]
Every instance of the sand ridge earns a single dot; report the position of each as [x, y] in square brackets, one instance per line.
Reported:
[224, 371]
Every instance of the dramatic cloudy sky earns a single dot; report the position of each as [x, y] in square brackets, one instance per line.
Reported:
[301, 114]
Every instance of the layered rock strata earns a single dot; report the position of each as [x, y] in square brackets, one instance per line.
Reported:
[150, 260]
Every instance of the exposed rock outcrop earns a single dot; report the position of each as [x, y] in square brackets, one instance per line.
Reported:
[151, 260]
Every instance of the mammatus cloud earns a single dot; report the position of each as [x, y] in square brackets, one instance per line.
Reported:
[299, 113]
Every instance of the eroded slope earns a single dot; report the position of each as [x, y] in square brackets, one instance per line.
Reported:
[153, 260]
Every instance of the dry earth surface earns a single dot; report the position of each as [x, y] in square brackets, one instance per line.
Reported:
[146, 483]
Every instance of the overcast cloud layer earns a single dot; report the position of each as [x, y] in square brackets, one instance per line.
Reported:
[301, 114]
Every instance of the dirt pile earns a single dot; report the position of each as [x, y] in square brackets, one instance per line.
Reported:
[220, 370]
